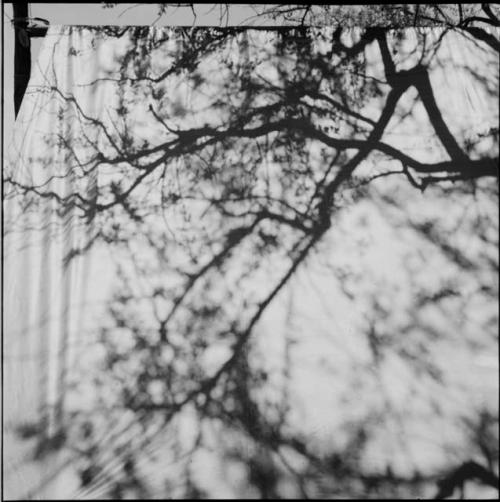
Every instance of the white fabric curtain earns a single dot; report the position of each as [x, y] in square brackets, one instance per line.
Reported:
[165, 200]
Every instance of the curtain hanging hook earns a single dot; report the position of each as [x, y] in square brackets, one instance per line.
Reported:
[29, 27]
[20, 21]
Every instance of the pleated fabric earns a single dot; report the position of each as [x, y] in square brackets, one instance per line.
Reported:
[107, 198]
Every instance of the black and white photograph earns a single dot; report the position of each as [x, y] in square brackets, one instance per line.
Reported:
[250, 251]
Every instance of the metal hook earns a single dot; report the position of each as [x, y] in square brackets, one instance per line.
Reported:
[30, 27]
[16, 21]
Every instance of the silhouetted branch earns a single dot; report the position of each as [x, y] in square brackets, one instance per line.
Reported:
[468, 471]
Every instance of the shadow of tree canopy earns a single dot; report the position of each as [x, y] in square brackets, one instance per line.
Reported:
[346, 16]
[300, 230]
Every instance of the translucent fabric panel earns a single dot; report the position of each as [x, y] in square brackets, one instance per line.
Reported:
[251, 263]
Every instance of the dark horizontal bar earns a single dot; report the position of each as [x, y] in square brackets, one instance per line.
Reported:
[36, 31]
[188, 4]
